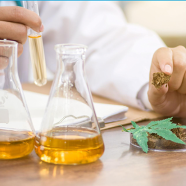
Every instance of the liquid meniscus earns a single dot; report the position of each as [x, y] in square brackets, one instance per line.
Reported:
[15, 144]
[38, 60]
[69, 145]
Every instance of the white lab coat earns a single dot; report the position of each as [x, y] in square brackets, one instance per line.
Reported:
[119, 54]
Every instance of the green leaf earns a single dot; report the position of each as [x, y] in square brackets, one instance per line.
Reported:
[124, 129]
[141, 138]
[183, 127]
[167, 134]
[165, 126]
[135, 125]
[133, 130]
[152, 123]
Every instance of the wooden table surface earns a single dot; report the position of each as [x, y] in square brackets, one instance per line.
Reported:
[121, 164]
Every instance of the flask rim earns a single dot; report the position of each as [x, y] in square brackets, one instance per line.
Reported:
[70, 48]
[6, 42]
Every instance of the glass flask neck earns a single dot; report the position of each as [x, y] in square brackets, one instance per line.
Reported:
[70, 49]
[8, 64]
[70, 57]
[8, 54]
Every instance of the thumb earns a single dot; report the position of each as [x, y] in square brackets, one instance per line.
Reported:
[157, 95]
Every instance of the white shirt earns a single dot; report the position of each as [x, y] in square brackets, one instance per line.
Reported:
[119, 54]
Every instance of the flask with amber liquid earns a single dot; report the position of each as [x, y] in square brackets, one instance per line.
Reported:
[16, 129]
[70, 132]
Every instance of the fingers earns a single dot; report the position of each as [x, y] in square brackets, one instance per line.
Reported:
[21, 15]
[157, 95]
[20, 49]
[162, 61]
[179, 66]
[13, 31]
[171, 62]
[5, 51]
[3, 62]
[14, 22]
[8, 51]
[182, 88]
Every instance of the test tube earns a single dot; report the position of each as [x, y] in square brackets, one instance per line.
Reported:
[36, 48]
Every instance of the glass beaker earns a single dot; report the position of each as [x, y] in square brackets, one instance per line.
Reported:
[16, 129]
[70, 132]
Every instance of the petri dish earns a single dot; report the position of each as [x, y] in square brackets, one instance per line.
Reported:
[159, 144]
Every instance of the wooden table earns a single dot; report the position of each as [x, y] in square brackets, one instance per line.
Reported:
[121, 164]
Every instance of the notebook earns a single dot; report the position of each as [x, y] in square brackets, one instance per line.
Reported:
[37, 103]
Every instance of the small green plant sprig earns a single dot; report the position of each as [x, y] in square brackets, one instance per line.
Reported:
[161, 128]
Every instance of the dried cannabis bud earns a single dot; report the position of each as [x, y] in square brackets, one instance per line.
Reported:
[160, 79]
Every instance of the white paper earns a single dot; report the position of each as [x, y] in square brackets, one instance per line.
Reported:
[4, 116]
[37, 104]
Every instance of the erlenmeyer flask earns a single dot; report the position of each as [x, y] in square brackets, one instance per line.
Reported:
[16, 129]
[70, 131]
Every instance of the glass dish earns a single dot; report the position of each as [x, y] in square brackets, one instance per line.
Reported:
[160, 144]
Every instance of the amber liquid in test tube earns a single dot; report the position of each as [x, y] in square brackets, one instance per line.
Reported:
[36, 49]
[38, 59]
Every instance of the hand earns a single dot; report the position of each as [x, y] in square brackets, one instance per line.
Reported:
[14, 22]
[169, 100]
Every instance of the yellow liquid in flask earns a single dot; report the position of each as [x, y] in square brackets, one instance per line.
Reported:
[38, 60]
[15, 144]
[69, 145]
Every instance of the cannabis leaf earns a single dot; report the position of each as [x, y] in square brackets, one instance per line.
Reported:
[161, 128]
[167, 134]
[141, 138]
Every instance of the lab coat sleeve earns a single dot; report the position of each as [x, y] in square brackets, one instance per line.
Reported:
[142, 98]
[119, 54]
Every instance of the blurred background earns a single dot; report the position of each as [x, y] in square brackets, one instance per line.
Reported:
[166, 18]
